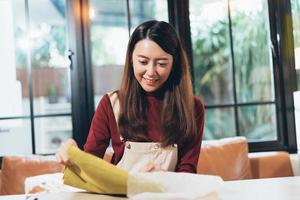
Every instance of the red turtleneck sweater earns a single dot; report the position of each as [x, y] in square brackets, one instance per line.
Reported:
[104, 128]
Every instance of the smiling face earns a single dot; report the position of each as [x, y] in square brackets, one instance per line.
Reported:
[151, 65]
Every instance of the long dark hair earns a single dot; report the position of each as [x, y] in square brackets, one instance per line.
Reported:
[177, 113]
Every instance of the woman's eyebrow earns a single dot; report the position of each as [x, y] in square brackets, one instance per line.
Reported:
[161, 58]
[142, 56]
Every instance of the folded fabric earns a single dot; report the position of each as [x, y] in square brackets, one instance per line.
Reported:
[94, 174]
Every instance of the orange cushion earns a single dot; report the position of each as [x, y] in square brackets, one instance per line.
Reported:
[270, 164]
[15, 169]
[0, 180]
[227, 158]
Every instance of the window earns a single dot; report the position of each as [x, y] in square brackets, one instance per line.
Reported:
[243, 56]
[233, 66]
[239, 74]
[35, 111]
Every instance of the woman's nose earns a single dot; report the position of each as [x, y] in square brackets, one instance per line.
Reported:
[151, 70]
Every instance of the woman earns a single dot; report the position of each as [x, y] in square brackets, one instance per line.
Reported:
[154, 122]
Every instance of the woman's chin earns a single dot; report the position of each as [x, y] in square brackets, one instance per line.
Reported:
[149, 89]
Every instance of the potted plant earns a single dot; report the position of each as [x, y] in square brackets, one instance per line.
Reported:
[52, 94]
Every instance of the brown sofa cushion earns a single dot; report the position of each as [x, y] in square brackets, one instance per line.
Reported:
[270, 164]
[227, 158]
[15, 169]
[0, 180]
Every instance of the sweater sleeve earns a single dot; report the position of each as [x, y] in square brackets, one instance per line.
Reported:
[188, 154]
[99, 133]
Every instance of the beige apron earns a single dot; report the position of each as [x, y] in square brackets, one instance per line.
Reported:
[138, 154]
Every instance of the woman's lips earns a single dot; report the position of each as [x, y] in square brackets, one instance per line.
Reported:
[150, 81]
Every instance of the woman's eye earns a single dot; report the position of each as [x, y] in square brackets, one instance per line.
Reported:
[143, 62]
[162, 64]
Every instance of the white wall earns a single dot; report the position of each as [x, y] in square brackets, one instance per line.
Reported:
[12, 132]
[10, 88]
[295, 158]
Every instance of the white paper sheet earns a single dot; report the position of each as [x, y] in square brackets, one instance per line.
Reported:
[171, 185]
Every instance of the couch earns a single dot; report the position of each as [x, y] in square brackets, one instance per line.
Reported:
[15, 169]
[228, 158]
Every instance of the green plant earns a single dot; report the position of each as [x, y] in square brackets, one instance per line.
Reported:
[213, 73]
[52, 90]
[52, 94]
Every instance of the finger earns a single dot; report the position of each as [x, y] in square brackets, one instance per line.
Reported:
[57, 157]
[65, 158]
[71, 142]
[64, 154]
[149, 167]
[61, 155]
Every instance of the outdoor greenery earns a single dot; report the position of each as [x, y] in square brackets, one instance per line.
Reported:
[211, 63]
[19, 52]
[295, 4]
[100, 53]
[252, 57]
[49, 39]
[253, 75]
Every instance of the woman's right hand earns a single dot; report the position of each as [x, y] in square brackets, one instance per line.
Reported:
[62, 155]
[152, 167]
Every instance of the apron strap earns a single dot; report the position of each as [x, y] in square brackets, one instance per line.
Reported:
[115, 103]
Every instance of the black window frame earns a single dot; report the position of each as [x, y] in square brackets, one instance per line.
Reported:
[284, 69]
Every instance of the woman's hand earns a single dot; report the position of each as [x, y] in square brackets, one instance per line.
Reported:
[62, 155]
[152, 167]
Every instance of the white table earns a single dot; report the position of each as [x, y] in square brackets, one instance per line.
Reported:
[61, 196]
[287, 188]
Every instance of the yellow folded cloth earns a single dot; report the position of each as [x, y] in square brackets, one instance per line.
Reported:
[94, 174]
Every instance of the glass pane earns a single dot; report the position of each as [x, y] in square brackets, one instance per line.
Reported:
[13, 89]
[211, 51]
[50, 132]
[50, 65]
[296, 30]
[109, 37]
[219, 123]
[147, 10]
[258, 123]
[15, 136]
[252, 52]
